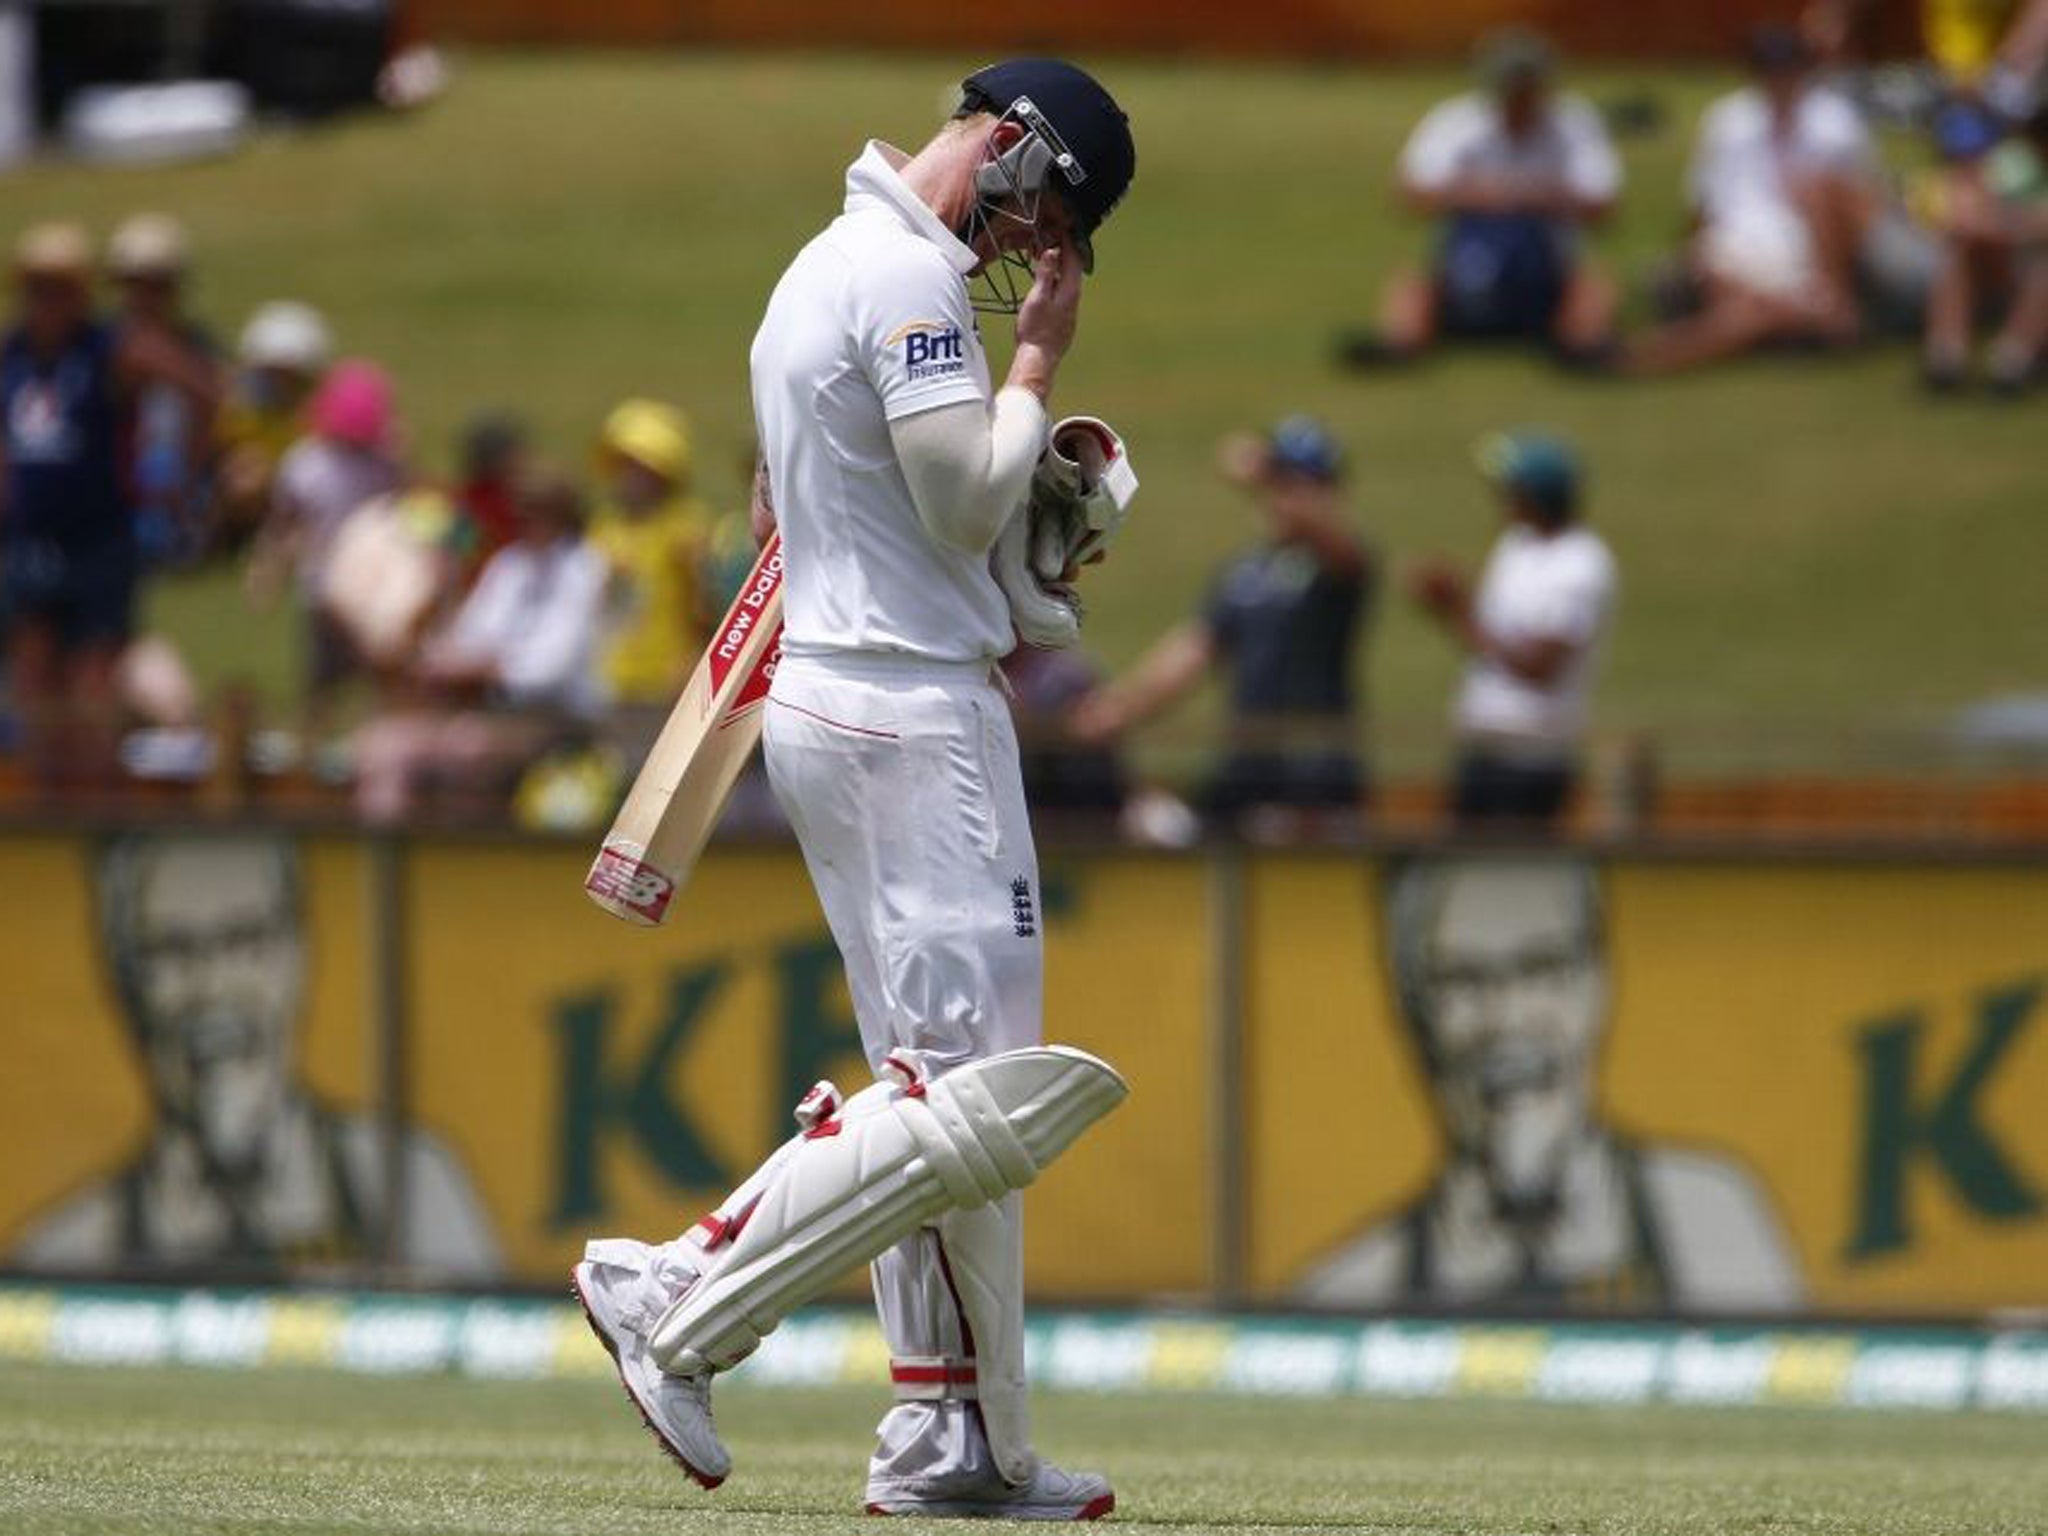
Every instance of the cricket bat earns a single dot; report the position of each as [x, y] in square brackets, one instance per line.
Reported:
[675, 802]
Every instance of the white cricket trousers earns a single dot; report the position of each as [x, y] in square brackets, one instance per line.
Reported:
[900, 778]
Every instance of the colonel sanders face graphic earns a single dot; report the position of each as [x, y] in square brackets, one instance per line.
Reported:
[1502, 978]
[203, 937]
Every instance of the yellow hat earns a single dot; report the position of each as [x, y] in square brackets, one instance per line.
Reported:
[650, 434]
[147, 245]
[54, 250]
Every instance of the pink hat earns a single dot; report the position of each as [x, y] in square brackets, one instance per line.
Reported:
[353, 404]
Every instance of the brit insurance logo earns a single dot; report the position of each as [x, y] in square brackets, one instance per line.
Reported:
[930, 350]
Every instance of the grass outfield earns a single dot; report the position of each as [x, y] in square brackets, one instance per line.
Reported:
[1808, 549]
[181, 1451]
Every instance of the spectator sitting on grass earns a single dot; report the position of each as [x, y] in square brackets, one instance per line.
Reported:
[348, 457]
[280, 359]
[170, 427]
[1532, 632]
[1785, 205]
[67, 536]
[517, 664]
[1990, 204]
[1280, 622]
[1515, 175]
[655, 536]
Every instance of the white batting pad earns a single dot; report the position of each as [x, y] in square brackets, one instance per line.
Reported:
[889, 1163]
[985, 1258]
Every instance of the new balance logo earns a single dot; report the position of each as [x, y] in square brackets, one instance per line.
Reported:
[617, 877]
[1023, 915]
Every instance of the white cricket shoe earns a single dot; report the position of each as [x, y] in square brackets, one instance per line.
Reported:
[675, 1409]
[1050, 1495]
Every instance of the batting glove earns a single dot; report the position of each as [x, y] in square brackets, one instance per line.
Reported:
[1078, 503]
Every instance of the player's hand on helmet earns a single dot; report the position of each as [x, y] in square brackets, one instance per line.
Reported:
[1053, 305]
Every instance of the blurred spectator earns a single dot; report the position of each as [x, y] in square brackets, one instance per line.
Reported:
[1280, 622]
[494, 445]
[347, 458]
[279, 360]
[1062, 777]
[518, 663]
[67, 539]
[1514, 174]
[1785, 203]
[1997, 48]
[1532, 631]
[394, 570]
[1990, 204]
[170, 430]
[655, 537]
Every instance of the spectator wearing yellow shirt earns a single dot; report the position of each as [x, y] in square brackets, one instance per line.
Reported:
[280, 359]
[654, 534]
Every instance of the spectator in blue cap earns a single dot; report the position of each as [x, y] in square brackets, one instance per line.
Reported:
[1532, 630]
[1279, 625]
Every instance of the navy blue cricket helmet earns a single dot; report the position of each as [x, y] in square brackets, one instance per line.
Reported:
[1076, 144]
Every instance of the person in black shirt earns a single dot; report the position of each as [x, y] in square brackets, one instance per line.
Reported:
[1279, 622]
[67, 534]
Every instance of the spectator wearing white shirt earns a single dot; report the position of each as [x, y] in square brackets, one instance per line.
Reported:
[1785, 199]
[1532, 630]
[518, 662]
[1513, 174]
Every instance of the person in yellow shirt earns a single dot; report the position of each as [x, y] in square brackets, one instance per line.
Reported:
[655, 535]
[1965, 36]
[280, 359]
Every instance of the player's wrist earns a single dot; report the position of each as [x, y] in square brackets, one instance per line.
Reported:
[1033, 369]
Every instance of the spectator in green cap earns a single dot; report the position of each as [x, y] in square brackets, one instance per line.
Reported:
[1531, 630]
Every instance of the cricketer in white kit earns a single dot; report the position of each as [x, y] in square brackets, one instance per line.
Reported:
[893, 471]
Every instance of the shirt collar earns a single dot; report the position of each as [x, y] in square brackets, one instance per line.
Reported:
[873, 180]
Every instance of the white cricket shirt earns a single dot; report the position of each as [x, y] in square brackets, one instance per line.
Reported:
[871, 323]
[1559, 587]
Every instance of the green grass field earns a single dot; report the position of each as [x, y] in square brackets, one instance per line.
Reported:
[112, 1452]
[1811, 553]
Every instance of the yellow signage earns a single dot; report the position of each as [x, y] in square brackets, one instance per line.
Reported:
[1735, 1088]
[1464, 1080]
[197, 1052]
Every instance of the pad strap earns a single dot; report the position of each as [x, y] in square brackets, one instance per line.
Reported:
[932, 1379]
